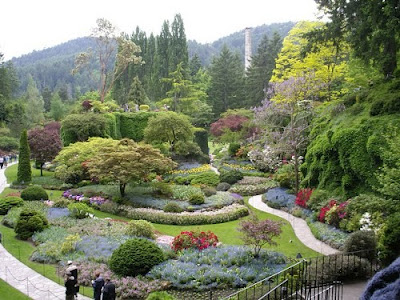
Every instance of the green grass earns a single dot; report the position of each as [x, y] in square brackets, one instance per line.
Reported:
[53, 194]
[11, 173]
[7, 292]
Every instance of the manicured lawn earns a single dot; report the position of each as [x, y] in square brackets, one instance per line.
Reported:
[11, 173]
[7, 292]
[53, 194]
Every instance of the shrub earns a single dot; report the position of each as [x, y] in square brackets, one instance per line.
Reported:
[194, 240]
[29, 222]
[134, 257]
[223, 186]
[233, 148]
[61, 203]
[173, 207]
[317, 198]
[80, 210]
[251, 190]
[303, 196]
[209, 191]
[231, 176]
[24, 173]
[361, 240]
[160, 296]
[208, 178]
[34, 192]
[196, 199]
[162, 189]
[201, 138]
[141, 228]
[285, 175]
[390, 239]
[8, 202]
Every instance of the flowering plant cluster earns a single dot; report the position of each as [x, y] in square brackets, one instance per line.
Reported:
[333, 213]
[267, 159]
[303, 196]
[97, 200]
[194, 239]
[185, 171]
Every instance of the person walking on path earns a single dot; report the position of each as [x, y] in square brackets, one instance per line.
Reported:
[70, 287]
[97, 285]
[74, 271]
[109, 290]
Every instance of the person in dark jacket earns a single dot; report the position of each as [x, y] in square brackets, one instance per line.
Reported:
[97, 285]
[109, 290]
[70, 287]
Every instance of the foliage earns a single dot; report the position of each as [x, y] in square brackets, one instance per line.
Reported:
[258, 233]
[24, 164]
[172, 207]
[333, 236]
[332, 213]
[390, 239]
[29, 222]
[134, 257]
[317, 198]
[194, 240]
[303, 196]
[80, 210]
[12, 216]
[252, 189]
[223, 186]
[79, 128]
[218, 267]
[140, 228]
[168, 127]
[34, 192]
[209, 191]
[362, 240]
[231, 176]
[233, 123]
[8, 202]
[196, 199]
[72, 159]
[69, 243]
[8, 143]
[126, 162]
[201, 138]
[160, 296]
[208, 178]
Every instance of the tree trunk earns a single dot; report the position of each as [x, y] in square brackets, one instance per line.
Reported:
[41, 169]
[122, 189]
[296, 170]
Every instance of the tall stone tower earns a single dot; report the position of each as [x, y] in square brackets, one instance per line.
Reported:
[247, 48]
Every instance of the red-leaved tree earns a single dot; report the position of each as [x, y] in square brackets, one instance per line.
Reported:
[45, 143]
[232, 122]
[257, 232]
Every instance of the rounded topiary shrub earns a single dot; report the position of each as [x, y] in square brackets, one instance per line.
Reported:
[34, 192]
[160, 296]
[135, 257]
[196, 199]
[223, 186]
[29, 222]
[141, 228]
[231, 176]
[172, 207]
[209, 191]
[362, 243]
[9, 202]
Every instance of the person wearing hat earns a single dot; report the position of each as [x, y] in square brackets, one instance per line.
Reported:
[70, 286]
[97, 285]
[73, 270]
[109, 290]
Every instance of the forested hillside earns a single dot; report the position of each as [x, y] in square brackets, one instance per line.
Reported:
[52, 67]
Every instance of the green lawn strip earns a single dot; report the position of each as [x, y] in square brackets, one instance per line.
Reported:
[11, 173]
[7, 292]
[53, 194]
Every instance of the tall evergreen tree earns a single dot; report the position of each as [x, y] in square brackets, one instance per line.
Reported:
[194, 65]
[34, 104]
[46, 95]
[227, 81]
[163, 59]
[178, 46]
[24, 174]
[137, 93]
[260, 70]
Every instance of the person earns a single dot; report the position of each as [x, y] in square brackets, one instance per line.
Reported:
[1, 162]
[109, 290]
[71, 268]
[97, 285]
[70, 287]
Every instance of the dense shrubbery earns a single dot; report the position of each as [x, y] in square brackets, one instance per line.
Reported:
[208, 178]
[196, 199]
[29, 222]
[194, 240]
[34, 192]
[141, 228]
[362, 241]
[231, 176]
[390, 239]
[134, 257]
[80, 210]
[8, 202]
[160, 296]
[223, 186]
[172, 207]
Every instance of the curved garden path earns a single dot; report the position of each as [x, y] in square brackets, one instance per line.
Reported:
[300, 226]
[23, 278]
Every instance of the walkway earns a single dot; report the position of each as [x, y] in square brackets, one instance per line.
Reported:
[300, 226]
[22, 277]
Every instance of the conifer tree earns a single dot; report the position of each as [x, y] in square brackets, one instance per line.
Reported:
[24, 164]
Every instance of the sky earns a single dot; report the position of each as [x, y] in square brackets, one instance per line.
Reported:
[27, 25]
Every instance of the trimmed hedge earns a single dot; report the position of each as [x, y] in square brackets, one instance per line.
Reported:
[226, 214]
[34, 192]
[201, 138]
[29, 222]
[134, 257]
[132, 125]
[9, 202]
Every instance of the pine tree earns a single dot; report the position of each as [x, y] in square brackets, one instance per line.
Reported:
[178, 46]
[24, 174]
[137, 93]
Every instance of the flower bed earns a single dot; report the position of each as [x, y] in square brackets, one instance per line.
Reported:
[218, 267]
[226, 214]
[328, 234]
[251, 190]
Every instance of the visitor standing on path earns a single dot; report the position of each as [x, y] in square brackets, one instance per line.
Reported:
[109, 290]
[97, 285]
[70, 287]
[74, 271]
